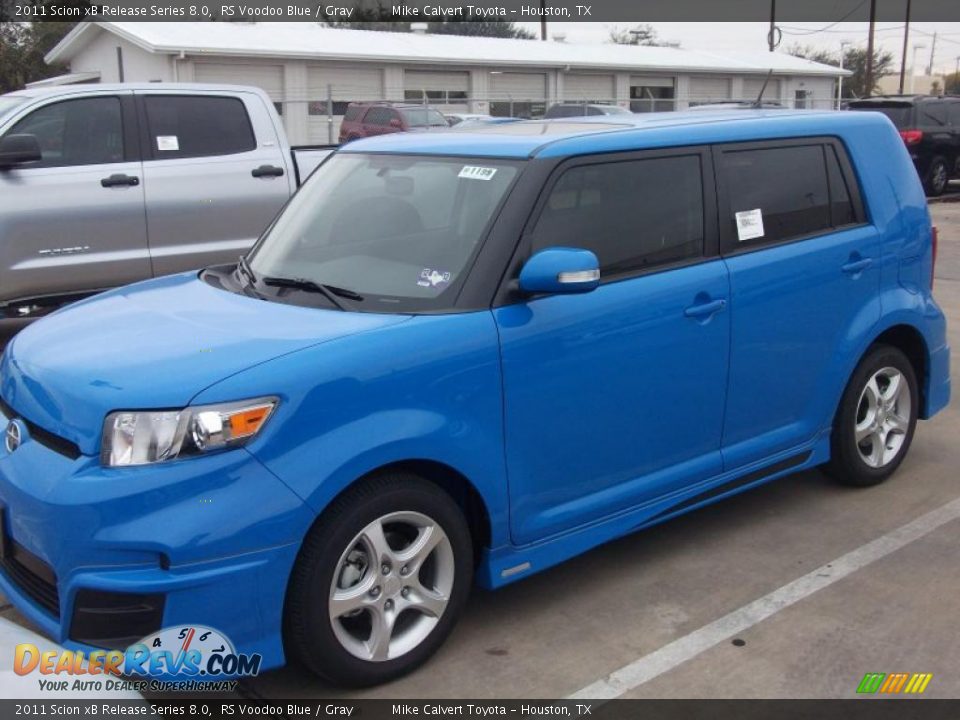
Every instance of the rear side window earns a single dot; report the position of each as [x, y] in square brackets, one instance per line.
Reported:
[184, 126]
[933, 113]
[632, 214]
[842, 211]
[352, 113]
[900, 114]
[378, 116]
[86, 131]
[787, 186]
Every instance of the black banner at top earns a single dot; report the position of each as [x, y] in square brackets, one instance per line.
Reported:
[827, 11]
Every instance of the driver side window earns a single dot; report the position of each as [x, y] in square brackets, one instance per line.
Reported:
[85, 131]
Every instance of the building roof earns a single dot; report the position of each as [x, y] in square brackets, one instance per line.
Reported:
[575, 136]
[313, 41]
[67, 79]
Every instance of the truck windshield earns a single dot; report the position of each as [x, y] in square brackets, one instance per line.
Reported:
[9, 103]
[424, 118]
[400, 231]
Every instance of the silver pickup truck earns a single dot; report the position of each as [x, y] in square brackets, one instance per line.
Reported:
[102, 185]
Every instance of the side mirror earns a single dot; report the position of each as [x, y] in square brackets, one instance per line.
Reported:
[560, 270]
[395, 123]
[19, 149]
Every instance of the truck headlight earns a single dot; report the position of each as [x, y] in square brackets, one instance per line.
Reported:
[135, 437]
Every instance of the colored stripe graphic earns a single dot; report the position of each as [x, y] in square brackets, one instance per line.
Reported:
[871, 683]
[912, 683]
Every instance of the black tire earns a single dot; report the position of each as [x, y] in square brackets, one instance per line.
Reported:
[847, 465]
[310, 635]
[937, 177]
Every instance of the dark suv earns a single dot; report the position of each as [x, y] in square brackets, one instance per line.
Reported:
[930, 128]
[368, 119]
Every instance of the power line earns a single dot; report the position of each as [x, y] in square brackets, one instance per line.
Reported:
[827, 27]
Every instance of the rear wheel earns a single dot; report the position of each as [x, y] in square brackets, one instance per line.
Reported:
[937, 177]
[380, 581]
[876, 420]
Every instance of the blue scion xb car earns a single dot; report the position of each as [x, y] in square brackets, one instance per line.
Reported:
[468, 355]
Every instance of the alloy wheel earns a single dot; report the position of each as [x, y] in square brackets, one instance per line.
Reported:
[391, 586]
[883, 417]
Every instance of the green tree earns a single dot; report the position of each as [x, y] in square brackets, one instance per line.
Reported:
[854, 60]
[22, 47]
[637, 35]
[951, 84]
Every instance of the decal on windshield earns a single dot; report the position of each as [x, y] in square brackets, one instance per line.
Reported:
[168, 143]
[749, 224]
[475, 172]
[433, 279]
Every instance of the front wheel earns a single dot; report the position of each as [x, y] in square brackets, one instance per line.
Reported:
[380, 581]
[875, 422]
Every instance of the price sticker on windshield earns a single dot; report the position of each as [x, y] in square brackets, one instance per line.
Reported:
[749, 224]
[475, 172]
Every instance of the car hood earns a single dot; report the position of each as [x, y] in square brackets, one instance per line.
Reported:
[155, 344]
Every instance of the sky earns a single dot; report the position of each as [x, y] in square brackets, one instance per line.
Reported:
[734, 36]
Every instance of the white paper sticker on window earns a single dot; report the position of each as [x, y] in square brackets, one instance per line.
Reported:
[475, 172]
[749, 224]
[168, 143]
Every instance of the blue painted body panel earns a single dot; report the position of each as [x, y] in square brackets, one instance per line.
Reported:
[576, 418]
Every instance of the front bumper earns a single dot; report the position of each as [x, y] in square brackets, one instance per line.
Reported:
[209, 540]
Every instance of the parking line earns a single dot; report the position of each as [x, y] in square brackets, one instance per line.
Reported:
[689, 646]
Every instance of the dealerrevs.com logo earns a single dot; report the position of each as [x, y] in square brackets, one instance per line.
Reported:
[190, 657]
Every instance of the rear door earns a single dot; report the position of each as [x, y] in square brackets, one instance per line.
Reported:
[805, 280]
[615, 397]
[73, 222]
[215, 176]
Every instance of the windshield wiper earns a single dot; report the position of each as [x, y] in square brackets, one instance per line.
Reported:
[244, 269]
[328, 291]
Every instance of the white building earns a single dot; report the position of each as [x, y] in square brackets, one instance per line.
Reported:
[312, 72]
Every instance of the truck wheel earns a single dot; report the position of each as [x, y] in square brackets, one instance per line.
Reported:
[937, 177]
[876, 419]
[379, 582]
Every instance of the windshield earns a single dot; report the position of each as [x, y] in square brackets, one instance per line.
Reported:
[9, 103]
[899, 113]
[398, 230]
[426, 117]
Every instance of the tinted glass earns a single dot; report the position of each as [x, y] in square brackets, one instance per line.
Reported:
[933, 113]
[899, 113]
[841, 204]
[87, 131]
[425, 117]
[787, 184]
[193, 126]
[398, 230]
[953, 113]
[632, 214]
[352, 113]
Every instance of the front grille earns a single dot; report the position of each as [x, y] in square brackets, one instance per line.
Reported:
[46, 438]
[32, 576]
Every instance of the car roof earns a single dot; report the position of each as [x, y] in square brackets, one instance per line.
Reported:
[578, 136]
[56, 90]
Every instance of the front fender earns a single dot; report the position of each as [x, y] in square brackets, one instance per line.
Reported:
[425, 389]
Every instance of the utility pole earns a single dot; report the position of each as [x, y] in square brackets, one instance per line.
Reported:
[543, 19]
[868, 75]
[773, 24]
[906, 38]
[933, 49]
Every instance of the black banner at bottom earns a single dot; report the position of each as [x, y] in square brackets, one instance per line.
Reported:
[854, 709]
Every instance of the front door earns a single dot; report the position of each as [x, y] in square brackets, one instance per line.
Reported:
[73, 221]
[616, 397]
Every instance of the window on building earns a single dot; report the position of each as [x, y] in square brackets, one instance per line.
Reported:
[633, 214]
[801, 98]
[87, 131]
[644, 98]
[183, 126]
[526, 109]
[436, 97]
[787, 184]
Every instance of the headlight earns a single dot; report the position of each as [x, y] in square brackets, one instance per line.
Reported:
[142, 437]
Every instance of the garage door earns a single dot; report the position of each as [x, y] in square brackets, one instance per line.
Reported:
[443, 90]
[268, 77]
[583, 87]
[518, 94]
[346, 85]
[752, 87]
[706, 89]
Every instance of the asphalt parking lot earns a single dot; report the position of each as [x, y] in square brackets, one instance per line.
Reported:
[709, 605]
